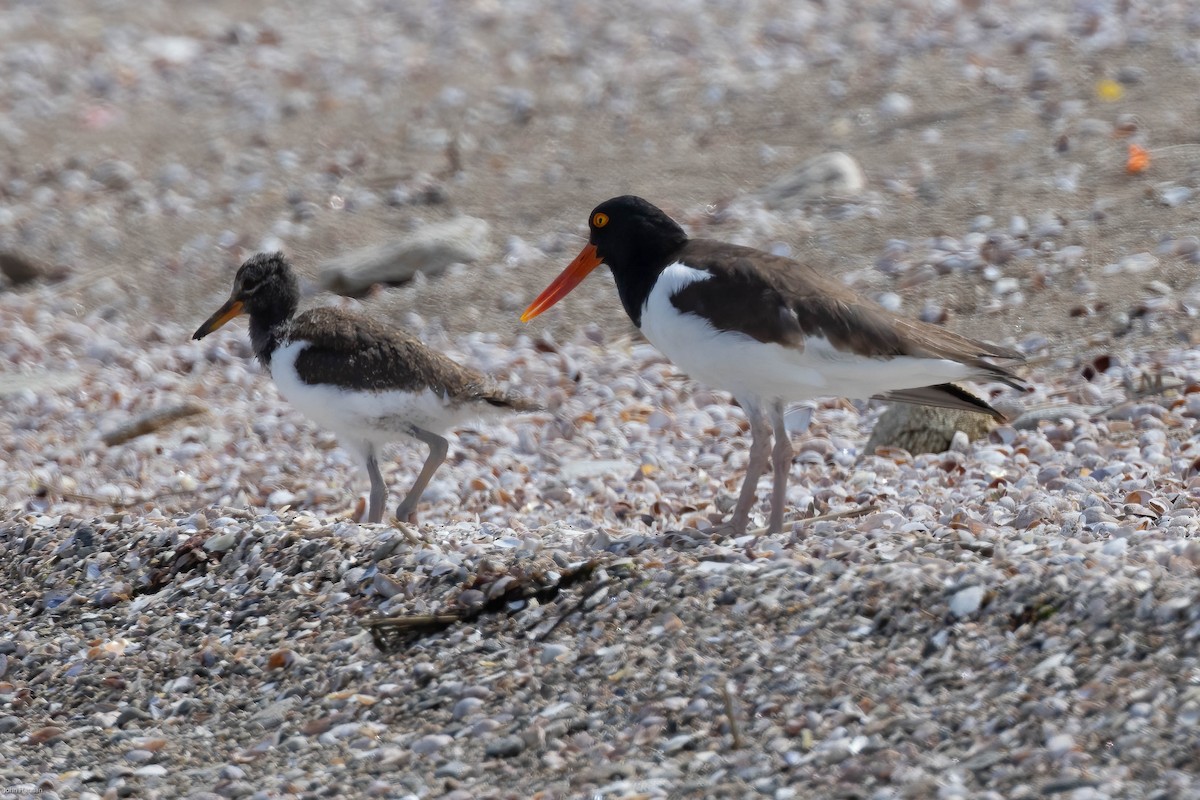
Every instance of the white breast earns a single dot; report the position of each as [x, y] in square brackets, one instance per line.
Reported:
[749, 368]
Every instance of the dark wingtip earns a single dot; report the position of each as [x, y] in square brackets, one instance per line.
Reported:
[972, 400]
[945, 395]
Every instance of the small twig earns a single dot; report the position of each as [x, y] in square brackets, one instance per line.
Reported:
[151, 421]
[408, 533]
[526, 588]
[731, 715]
[422, 623]
[76, 497]
[415, 621]
[575, 609]
[845, 513]
[861, 511]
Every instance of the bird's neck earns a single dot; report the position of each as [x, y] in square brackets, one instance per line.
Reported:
[634, 288]
[267, 324]
[636, 274]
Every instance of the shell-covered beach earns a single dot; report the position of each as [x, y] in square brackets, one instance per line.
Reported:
[189, 609]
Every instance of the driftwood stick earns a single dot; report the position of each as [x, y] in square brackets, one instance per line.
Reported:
[860, 511]
[77, 497]
[151, 421]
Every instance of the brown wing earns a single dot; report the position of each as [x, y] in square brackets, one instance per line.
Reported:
[359, 353]
[779, 300]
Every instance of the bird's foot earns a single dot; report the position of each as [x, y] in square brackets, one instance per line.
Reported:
[406, 516]
[723, 529]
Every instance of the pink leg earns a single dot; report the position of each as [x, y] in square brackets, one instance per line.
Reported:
[760, 434]
[781, 455]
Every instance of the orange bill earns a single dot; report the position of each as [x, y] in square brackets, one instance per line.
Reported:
[231, 309]
[570, 277]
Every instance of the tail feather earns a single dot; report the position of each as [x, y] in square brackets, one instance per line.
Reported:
[946, 395]
[1000, 374]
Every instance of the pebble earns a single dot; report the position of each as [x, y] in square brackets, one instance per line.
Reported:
[428, 250]
[1135, 264]
[11, 724]
[1173, 196]
[966, 601]
[430, 744]
[20, 269]
[453, 769]
[467, 707]
[829, 175]
[151, 771]
[115, 175]
[890, 300]
[895, 105]
[505, 747]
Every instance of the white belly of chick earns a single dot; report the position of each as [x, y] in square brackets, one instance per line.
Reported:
[359, 413]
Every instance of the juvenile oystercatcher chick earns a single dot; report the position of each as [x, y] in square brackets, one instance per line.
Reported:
[368, 383]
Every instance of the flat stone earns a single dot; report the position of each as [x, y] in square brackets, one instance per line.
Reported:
[427, 745]
[20, 269]
[428, 250]
[925, 429]
[833, 175]
[966, 601]
[505, 747]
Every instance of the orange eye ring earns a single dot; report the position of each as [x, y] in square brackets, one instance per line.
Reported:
[599, 219]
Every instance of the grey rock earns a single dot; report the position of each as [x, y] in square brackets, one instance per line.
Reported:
[427, 745]
[505, 747]
[139, 756]
[466, 707]
[925, 429]
[895, 105]
[453, 769]
[1172, 196]
[235, 789]
[20, 269]
[966, 601]
[115, 175]
[429, 250]
[11, 724]
[833, 175]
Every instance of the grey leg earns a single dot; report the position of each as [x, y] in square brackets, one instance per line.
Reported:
[437, 454]
[782, 456]
[378, 489]
[760, 433]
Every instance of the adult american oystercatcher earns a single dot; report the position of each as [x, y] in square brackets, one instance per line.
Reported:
[770, 330]
[367, 383]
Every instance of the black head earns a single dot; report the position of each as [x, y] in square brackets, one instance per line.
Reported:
[631, 234]
[265, 288]
[637, 241]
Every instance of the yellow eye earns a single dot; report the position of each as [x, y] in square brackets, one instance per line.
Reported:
[599, 220]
